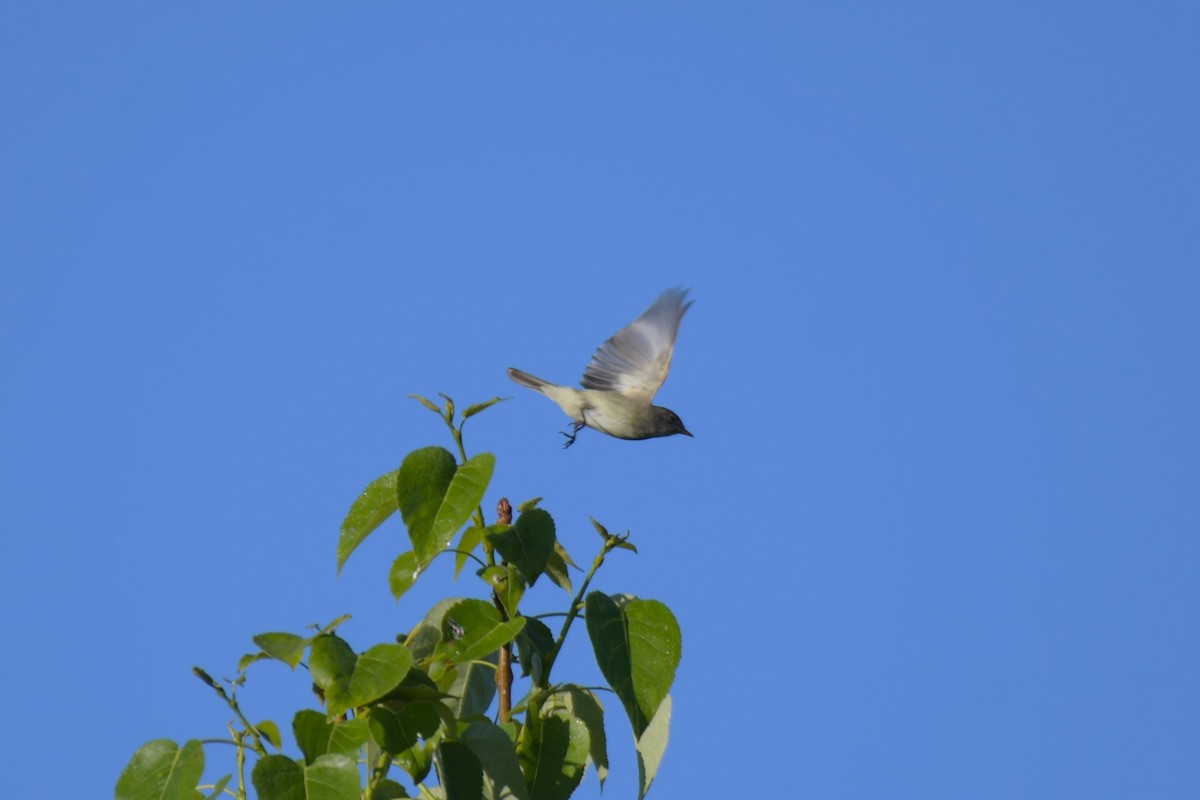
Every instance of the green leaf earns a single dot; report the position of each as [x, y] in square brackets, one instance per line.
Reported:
[556, 568]
[270, 731]
[651, 746]
[285, 647]
[471, 538]
[332, 664]
[330, 777]
[162, 770]
[508, 583]
[373, 506]
[431, 406]
[398, 730]
[528, 544]
[404, 573]
[388, 789]
[637, 646]
[377, 672]
[421, 484]
[471, 629]
[553, 751]
[425, 637]
[534, 644]
[586, 707]
[502, 778]
[461, 773]
[219, 787]
[462, 497]
[472, 410]
[528, 505]
[471, 687]
[316, 736]
[350, 681]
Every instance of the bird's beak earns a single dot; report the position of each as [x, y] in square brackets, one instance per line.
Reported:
[686, 432]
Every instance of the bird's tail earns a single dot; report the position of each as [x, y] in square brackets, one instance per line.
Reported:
[527, 380]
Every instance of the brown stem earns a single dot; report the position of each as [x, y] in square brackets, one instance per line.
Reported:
[504, 674]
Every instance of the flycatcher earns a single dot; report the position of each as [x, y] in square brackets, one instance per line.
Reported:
[623, 377]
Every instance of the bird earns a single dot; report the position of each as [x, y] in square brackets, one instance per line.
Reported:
[623, 377]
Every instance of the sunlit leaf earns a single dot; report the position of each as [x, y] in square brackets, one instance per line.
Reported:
[162, 770]
[462, 497]
[286, 647]
[373, 506]
[472, 628]
[470, 539]
[472, 410]
[651, 746]
[637, 646]
[404, 573]
[421, 484]
[428, 404]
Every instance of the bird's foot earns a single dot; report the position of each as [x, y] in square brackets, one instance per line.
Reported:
[576, 427]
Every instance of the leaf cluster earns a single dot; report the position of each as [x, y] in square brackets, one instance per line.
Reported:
[416, 716]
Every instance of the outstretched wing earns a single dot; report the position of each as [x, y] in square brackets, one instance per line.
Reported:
[635, 361]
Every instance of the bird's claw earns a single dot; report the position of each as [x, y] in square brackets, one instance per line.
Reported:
[576, 427]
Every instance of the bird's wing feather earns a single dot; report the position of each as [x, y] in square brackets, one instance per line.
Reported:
[635, 361]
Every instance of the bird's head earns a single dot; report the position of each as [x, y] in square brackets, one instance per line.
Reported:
[668, 423]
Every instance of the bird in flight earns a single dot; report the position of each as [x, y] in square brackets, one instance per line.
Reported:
[623, 377]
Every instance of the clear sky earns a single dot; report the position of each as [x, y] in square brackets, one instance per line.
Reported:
[938, 532]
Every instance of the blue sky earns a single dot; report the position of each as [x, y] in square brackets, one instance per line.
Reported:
[936, 535]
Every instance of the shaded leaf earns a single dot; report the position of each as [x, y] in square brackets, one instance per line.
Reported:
[397, 731]
[388, 789]
[508, 583]
[586, 707]
[330, 777]
[286, 647]
[461, 773]
[425, 637]
[472, 687]
[502, 778]
[373, 506]
[528, 544]
[219, 787]
[637, 646]
[553, 752]
[556, 568]
[162, 770]
[270, 731]
[534, 643]
[651, 746]
[316, 736]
